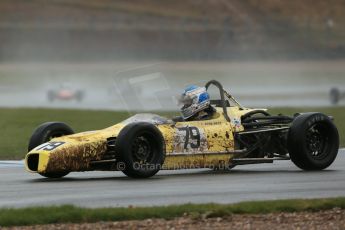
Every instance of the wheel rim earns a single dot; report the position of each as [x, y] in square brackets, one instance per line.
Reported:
[142, 150]
[317, 141]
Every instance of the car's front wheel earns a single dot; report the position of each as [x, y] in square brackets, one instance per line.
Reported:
[45, 133]
[313, 141]
[141, 150]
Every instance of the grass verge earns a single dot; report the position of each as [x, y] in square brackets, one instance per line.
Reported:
[17, 125]
[72, 214]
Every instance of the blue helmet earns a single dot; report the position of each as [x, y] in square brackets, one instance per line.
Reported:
[193, 100]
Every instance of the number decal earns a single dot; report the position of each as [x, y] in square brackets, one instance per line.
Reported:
[49, 146]
[189, 139]
[186, 130]
[192, 137]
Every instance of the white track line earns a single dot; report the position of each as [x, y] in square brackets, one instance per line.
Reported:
[11, 164]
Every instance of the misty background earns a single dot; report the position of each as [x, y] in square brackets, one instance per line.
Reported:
[140, 54]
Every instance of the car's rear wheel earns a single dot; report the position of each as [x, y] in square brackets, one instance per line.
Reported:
[313, 141]
[45, 133]
[141, 150]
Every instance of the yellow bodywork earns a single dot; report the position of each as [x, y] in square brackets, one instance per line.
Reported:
[76, 152]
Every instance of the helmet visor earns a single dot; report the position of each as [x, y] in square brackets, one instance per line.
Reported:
[185, 101]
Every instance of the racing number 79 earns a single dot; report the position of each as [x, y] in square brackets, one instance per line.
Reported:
[191, 134]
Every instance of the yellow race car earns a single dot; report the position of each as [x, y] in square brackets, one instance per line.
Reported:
[146, 143]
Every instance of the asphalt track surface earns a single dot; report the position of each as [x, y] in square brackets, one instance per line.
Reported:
[281, 180]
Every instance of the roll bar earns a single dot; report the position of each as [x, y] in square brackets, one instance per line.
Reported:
[221, 91]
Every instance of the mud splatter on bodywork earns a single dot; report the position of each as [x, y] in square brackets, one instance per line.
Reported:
[76, 157]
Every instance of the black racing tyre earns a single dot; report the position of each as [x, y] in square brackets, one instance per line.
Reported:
[334, 96]
[45, 133]
[313, 141]
[141, 150]
[54, 175]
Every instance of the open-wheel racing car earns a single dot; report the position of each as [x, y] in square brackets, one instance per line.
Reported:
[65, 93]
[146, 143]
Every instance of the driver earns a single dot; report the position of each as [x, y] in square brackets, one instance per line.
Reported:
[195, 104]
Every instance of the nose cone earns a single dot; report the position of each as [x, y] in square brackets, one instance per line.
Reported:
[36, 162]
